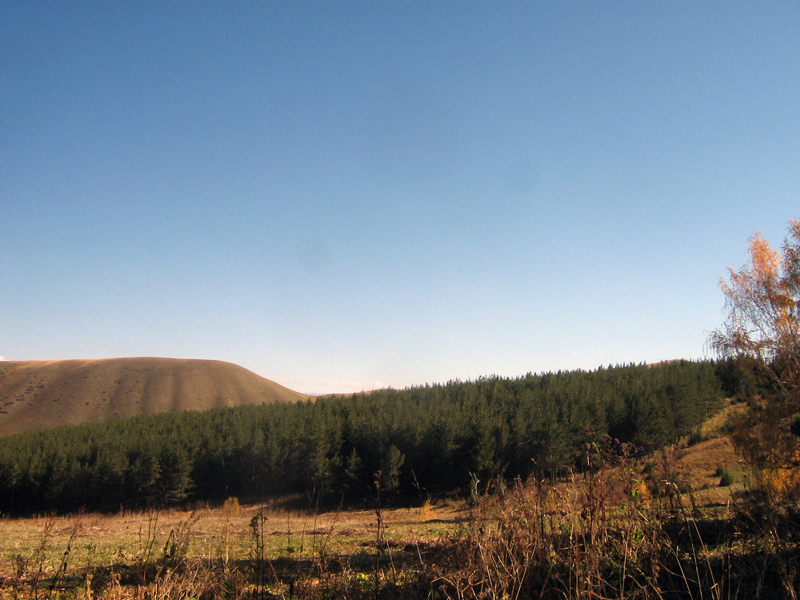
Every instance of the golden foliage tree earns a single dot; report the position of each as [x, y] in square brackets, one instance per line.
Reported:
[763, 325]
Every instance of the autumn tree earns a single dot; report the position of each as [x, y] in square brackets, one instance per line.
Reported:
[763, 325]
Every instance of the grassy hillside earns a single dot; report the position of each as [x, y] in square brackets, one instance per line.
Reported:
[46, 394]
[438, 438]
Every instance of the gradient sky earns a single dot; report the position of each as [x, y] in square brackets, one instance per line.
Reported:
[348, 195]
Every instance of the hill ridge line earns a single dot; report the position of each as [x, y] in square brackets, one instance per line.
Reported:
[42, 394]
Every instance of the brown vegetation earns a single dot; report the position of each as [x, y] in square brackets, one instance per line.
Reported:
[599, 535]
[46, 394]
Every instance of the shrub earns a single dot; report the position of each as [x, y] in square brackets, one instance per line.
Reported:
[696, 437]
[726, 478]
[425, 512]
[231, 506]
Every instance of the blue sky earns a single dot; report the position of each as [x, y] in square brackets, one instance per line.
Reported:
[348, 195]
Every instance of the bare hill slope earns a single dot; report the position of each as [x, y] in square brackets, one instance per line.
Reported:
[46, 394]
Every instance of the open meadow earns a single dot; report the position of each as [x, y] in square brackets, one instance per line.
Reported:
[249, 549]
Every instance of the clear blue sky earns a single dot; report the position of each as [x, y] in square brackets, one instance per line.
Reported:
[348, 195]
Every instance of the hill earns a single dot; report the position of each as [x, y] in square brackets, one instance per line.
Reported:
[46, 394]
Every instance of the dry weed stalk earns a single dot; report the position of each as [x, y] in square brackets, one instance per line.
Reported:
[572, 541]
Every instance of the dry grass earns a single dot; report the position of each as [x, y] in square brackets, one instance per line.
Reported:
[696, 467]
[120, 554]
[572, 540]
[216, 531]
[46, 394]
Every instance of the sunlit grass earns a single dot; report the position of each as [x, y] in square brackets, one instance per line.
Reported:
[217, 536]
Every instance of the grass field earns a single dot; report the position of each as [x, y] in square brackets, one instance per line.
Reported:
[122, 553]
[447, 550]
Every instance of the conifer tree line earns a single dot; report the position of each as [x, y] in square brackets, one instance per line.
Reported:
[428, 439]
